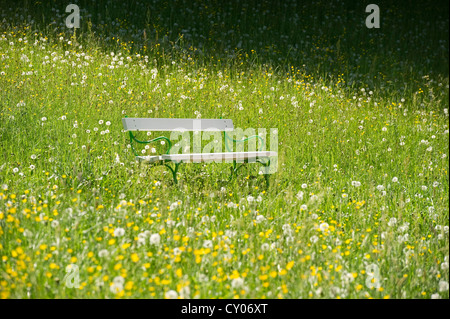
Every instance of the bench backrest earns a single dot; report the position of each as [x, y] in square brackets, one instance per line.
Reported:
[164, 124]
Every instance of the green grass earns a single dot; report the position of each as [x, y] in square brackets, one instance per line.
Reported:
[351, 105]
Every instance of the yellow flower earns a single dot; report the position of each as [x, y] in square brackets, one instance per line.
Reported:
[129, 285]
[53, 266]
[134, 257]
[290, 265]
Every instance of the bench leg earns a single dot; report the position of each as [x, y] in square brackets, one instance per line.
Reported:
[174, 171]
[234, 170]
[266, 165]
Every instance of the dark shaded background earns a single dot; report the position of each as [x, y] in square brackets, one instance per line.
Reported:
[324, 38]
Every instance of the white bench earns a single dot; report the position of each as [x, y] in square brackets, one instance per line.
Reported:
[166, 124]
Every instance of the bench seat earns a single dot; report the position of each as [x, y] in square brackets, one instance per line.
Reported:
[207, 157]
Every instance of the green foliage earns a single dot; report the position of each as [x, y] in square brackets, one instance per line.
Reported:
[362, 179]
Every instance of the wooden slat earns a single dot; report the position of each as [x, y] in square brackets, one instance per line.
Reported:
[207, 157]
[164, 124]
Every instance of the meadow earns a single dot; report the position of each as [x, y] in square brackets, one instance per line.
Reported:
[357, 208]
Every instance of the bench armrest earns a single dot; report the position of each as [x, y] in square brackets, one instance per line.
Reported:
[261, 141]
[132, 137]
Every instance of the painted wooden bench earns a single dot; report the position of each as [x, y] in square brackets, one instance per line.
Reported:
[168, 124]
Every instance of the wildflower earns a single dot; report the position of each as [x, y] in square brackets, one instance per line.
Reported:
[155, 239]
[314, 239]
[171, 294]
[395, 180]
[260, 218]
[117, 285]
[237, 283]
[443, 286]
[205, 219]
[103, 253]
[207, 244]
[118, 232]
[392, 221]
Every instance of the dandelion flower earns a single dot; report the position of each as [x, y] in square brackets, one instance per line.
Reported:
[118, 232]
[155, 239]
[171, 294]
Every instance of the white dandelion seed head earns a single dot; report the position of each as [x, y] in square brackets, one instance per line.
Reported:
[171, 294]
[118, 232]
[324, 227]
[237, 283]
[155, 239]
[207, 244]
[443, 286]
[116, 288]
[314, 239]
[103, 253]
[392, 222]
